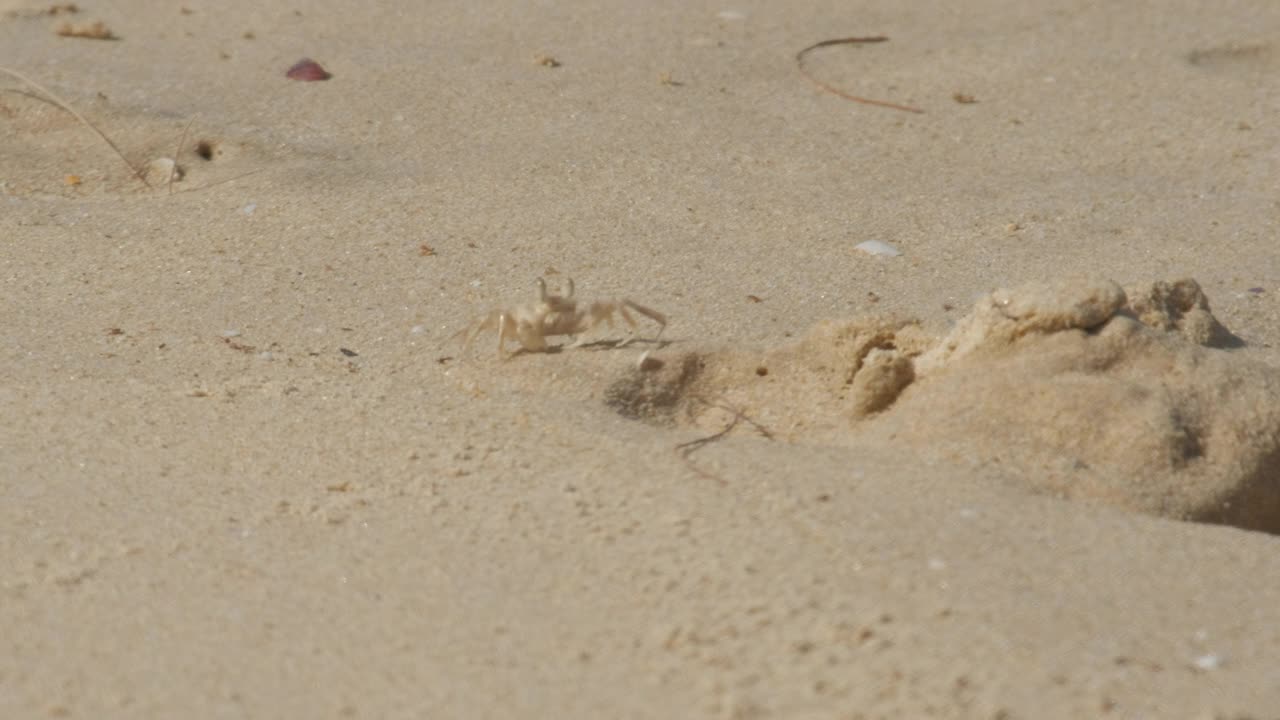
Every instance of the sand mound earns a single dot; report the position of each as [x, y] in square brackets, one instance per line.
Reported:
[1077, 388]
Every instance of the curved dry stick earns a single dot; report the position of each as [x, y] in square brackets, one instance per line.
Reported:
[834, 91]
[137, 172]
[178, 153]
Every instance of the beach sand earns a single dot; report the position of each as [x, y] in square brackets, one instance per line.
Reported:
[1027, 468]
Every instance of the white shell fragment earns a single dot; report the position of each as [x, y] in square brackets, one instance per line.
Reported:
[1207, 662]
[648, 364]
[876, 247]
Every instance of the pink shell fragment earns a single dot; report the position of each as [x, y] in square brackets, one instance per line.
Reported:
[307, 70]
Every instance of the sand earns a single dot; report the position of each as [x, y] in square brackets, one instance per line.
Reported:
[1025, 469]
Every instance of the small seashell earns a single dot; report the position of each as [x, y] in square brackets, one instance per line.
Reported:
[307, 70]
[876, 247]
[161, 170]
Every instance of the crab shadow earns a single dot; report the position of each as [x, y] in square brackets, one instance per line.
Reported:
[603, 345]
[594, 346]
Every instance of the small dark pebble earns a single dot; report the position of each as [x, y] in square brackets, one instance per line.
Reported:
[348, 353]
[1257, 291]
[307, 70]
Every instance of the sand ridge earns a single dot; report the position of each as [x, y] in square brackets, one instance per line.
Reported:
[1079, 388]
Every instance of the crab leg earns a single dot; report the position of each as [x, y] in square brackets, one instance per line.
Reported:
[474, 331]
[653, 315]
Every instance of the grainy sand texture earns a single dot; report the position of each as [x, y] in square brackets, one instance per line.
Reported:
[972, 412]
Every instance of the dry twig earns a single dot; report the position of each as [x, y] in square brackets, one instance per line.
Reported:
[835, 91]
[137, 171]
[178, 153]
[89, 31]
[686, 449]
